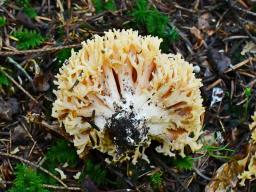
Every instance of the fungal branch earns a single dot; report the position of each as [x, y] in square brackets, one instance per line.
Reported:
[119, 92]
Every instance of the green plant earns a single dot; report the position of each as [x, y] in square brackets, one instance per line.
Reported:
[61, 152]
[27, 8]
[4, 81]
[2, 21]
[63, 54]
[28, 38]
[156, 179]
[155, 22]
[95, 172]
[248, 92]
[245, 111]
[30, 12]
[27, 180]
[102, 5]
[185, 163]
[216, 151]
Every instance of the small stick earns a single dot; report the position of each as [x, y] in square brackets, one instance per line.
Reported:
[33, 165]
[244, 11]
[62, 188]
[18, 66]
[239, 65]
[198, 172]
[50, 49]
[52, 186]
[19, 86]
[213, 84]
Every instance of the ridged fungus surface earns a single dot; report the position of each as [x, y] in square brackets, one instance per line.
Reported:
[119, 92]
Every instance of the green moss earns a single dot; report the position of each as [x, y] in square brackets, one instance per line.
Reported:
[28, 39]
[27, 180]
[102, 5]
[147, 17]
[156, 179]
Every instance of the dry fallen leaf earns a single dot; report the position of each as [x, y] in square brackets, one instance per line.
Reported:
[225, 178]
[199, 37]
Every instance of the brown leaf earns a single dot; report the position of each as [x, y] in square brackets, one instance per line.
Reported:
[225, 178]
[199, 37]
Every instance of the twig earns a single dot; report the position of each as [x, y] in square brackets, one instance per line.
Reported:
[33, 165]
[244, 11]
[50, 49]
[18, 85]
[201, 174]
[239, 65]
[62, 188]
[52, 186]
[18, 66]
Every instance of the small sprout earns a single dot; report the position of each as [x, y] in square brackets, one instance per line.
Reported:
[2, 21]
[28, 38]
[156, 179]
[248, 92]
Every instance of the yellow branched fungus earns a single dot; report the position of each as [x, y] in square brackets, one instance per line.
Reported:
[119, 92]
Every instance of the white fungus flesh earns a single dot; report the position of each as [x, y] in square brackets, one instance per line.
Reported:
[119, 92]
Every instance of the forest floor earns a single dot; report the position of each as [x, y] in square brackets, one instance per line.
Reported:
[217, 36]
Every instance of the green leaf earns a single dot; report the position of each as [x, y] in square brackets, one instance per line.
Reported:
[248, 92]
[2, 21]
[4, 81]
[27, 180]
[28, 39]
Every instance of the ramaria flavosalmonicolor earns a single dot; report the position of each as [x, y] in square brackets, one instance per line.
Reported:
[119, 92]
[250, 160]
